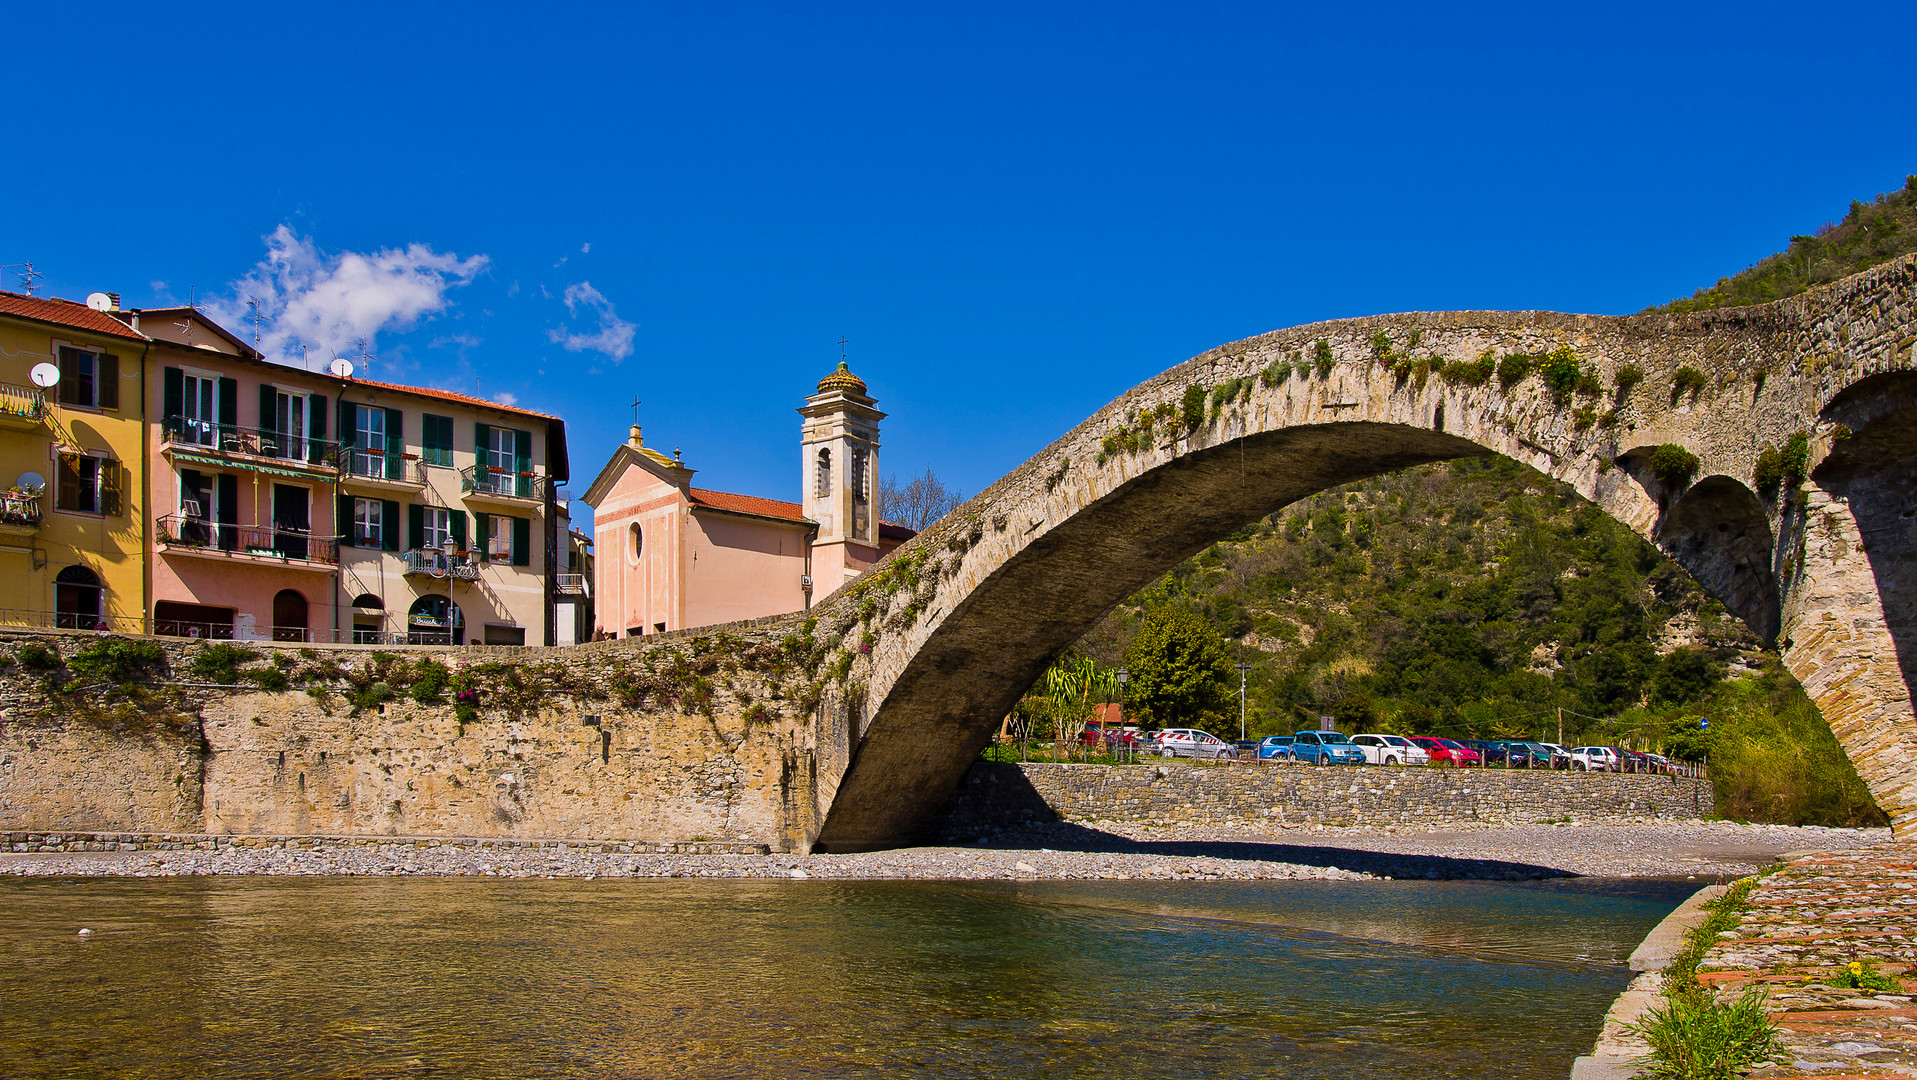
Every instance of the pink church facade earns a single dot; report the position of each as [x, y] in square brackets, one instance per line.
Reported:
[668, 556]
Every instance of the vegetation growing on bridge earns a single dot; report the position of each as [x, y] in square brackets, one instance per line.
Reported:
[1870, 234]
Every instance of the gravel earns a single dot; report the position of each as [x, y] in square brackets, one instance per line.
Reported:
[1058, 851]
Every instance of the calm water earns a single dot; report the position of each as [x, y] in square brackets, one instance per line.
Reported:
[260, 977]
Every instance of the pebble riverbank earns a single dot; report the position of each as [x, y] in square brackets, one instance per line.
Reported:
[1056, 851]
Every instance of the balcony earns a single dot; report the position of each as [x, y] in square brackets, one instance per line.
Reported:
[257, 448]
[502, 485]
[22, 408]
[295, 548]
[383, 469]
[574, 584]
[430, 562]
[19, 512]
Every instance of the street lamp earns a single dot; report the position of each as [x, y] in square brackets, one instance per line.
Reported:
[451, 548]
[1242, 668]
[1123, 678]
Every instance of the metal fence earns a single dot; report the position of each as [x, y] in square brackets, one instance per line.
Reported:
[180, 530]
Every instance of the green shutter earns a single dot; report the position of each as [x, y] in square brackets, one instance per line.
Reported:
[415, 526]
[347, 429]
[522, 541]
[343, 521]
[229, 404]
[389, 525]
[483, 530]
[316, 426]
[482, 451]
[172, 397]
[458, 519]
[522, 462]
[395, 445]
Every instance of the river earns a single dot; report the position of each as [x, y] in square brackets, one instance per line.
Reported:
[421, 977]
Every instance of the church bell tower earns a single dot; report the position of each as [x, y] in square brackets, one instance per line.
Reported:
[839, 462]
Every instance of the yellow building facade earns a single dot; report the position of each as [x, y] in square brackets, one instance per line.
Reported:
[73, 466]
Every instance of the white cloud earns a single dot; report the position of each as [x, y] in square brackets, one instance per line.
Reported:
[506, 399]
[614, 335]
[585, 248]
[330, 301]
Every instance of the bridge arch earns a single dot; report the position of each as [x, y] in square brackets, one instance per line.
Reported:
[970, 612]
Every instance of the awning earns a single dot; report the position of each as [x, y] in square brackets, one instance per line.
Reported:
[227, 463]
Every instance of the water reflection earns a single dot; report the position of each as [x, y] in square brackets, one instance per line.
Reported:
[342, 978]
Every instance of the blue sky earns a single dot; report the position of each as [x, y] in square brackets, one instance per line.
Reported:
[1014, 212]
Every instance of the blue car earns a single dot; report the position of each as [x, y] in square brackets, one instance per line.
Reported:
[1274, 747]
[1325, 748]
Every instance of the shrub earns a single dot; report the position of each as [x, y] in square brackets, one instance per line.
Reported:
[1468, 372]
[1693, 1037]
[38, 658]
[1768, 477]
[1795, 458]
[429, 682]
[119, 661]
[1686, 380]
[1863, 975]
[1673, 465]
[1193, 405]
[1513, 369]
[221, 662]
[1627, 377]
[1560, 371]
[1277, 372]
[1321, 356]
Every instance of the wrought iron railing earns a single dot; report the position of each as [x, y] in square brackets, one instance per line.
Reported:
[569, 583]
[186, 431]
[22, 402]
[387, 463]
[434, 563]
[180, 530]
[505, 483]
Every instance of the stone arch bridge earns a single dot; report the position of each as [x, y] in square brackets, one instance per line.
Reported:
[966, 616]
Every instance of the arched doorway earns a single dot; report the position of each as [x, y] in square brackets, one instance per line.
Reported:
[78, 599]
[368, 615]
[289, 616]
[435, 620]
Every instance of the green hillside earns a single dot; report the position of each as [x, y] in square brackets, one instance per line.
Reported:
[1477, 599]
[1871, 233]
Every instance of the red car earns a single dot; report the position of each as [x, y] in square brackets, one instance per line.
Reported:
[1097, 734]
[1447, 751]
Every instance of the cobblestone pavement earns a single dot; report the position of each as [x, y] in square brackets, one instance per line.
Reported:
[1818, 913]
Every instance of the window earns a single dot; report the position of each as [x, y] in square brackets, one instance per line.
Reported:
[88, 484]
[90, 380]
[199, 409]
[499, 538]
[78, 599]
[369, 523]
[859, 462]
[438, 527]
[638, 542]
[369, 441]
[289, 420]
[498, 451]
[436, 440]
[822, 484]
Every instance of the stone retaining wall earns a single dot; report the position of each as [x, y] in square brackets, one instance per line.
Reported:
[1003, 795]
[22, 842]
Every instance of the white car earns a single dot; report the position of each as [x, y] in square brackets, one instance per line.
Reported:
[1390, 750]
[1594, 759]
[1191, 743]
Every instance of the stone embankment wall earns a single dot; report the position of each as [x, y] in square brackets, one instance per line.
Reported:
[1005, 795]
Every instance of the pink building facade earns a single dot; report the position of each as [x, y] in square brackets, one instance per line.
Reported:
[668, 555]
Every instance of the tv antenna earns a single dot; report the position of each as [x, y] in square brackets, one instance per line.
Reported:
[365, 358]
[29, 277]
[256, 317]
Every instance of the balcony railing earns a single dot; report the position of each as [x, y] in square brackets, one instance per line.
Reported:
[387, 463]
[569, 583]
[23, 406]
[187, 432]
[502, 483]
[434, 563]
[19, 510]
[179, 530]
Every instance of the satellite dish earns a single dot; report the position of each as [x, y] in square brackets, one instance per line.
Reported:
[45, 376]
[31, 480]
[341, 367]
[100, 301]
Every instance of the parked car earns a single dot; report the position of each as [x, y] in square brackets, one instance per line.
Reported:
[1245, 748]
[1637, 761]
[1111, 738]
[1533, 755]
[1492, 752]
[1447, 751]
[1560, 757]
[1274, 748]
[1595, 758]
[1390, 750]
[1191, 743]
[1325, 748]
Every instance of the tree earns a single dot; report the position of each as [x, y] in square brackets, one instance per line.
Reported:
[1180, 669]
[919, 504]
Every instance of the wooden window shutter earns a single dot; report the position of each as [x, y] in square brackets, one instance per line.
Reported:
[172, 393]
[389, 525]
[316, 427]
[343, 519]
[522, 462]
[229, 404]
[395, 444]
[522, 541]
[457, 521]
[112, 488]
[347, 429]
[415, 526]
[106, 375]
[483, 530]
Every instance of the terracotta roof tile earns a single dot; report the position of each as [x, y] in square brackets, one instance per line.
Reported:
[748, 504]
[448, 395]
[66, 313]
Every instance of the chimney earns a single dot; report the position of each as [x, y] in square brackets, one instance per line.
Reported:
[634, 439]
[115, 299]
